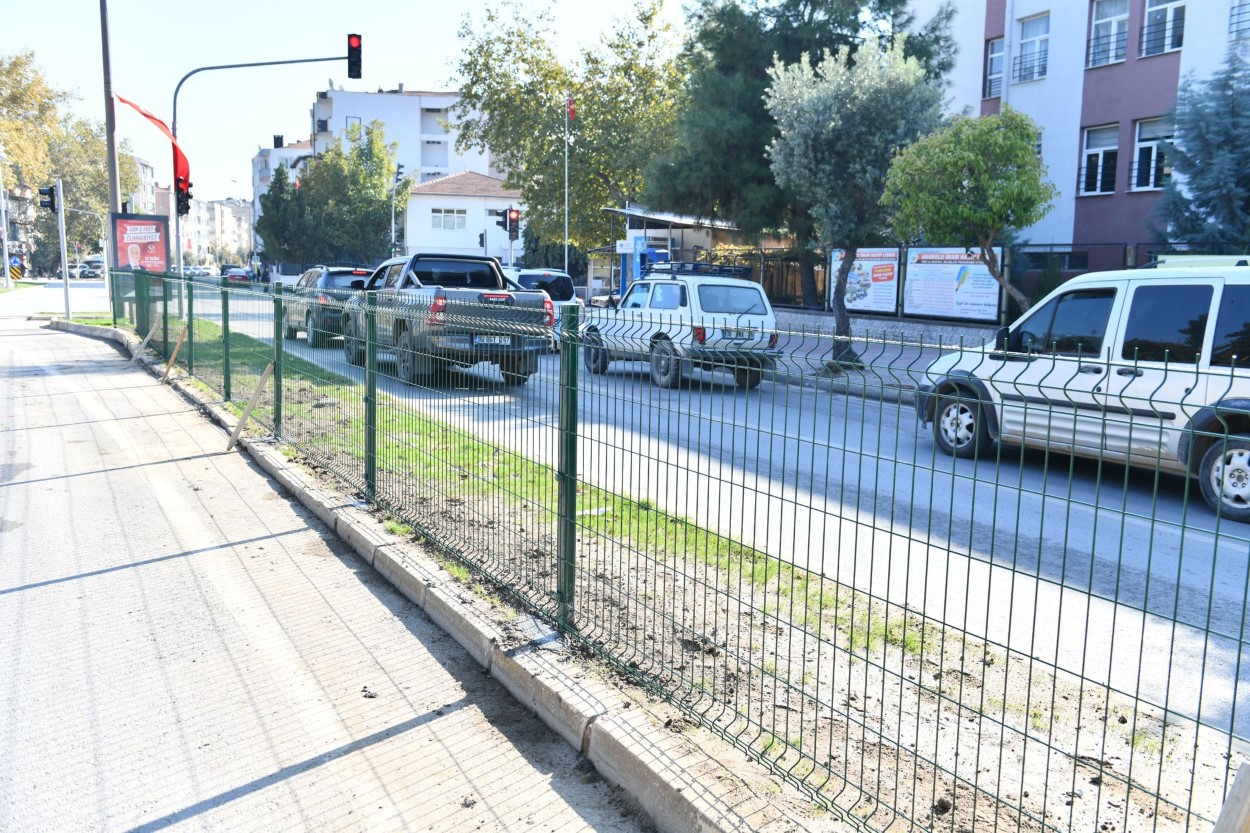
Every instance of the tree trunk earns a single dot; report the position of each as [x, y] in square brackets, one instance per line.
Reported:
[991, 262]
[807, 276]
[843, 354]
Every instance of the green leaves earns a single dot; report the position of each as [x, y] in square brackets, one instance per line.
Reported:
[28, 116]
[969, 183]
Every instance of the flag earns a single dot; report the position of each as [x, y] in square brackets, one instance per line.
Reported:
[182, 168]
[572, 114]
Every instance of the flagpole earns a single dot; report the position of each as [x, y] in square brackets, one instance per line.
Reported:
[568, 105]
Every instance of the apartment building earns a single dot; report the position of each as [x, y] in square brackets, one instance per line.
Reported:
[1100, 78]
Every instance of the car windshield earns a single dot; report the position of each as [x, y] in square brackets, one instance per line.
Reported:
[559, 287]
[740, 300]
[452, 273]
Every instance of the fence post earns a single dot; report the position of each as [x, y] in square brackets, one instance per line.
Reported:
[225, 341]
[188, 286]
[143, 323]
[164, 316]
[277, 360]
[371, 396]
[566, 475]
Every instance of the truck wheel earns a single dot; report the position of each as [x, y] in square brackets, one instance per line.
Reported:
[665, 365]
[511, 376]
[405, 359]
[748, 378]
[352, 350]
[596, 354]
[1224, 476]
[288, 331]
[959, 425]
[316, 338]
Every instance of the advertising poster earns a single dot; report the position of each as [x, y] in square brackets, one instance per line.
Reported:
[872, 284]
[141, 242]
[950, 283]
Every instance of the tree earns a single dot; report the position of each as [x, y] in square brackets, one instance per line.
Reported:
[968, 184]
[28, 116]
[76, 154]
[840, 123]
[537, 253]
[281, 223]
[1210, 200]
[718, 166]
[513, 104]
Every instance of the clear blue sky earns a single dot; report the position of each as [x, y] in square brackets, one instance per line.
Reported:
[225, 116]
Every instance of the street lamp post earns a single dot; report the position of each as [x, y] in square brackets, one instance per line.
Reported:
[4, 223]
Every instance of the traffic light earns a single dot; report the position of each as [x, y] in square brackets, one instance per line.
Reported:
[514, 223]
[183, 191]
[353, 56]
[502, 214]
[49, 194]
[399, 171]
[481, 240]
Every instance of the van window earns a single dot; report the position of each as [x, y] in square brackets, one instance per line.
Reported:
[559, 287]
[1074, 324]
[1232, 328]
[668, 296]
[739, 300]
[637, 297]
[456, 273]
[1167, 323]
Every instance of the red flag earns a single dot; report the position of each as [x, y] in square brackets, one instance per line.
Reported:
[182, 168]
[572, 114]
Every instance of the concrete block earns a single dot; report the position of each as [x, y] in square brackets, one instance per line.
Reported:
[538, 680]
[393, 567]
[360, 537]
[477, 634]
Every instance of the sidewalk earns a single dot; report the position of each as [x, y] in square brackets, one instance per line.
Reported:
[187, 647]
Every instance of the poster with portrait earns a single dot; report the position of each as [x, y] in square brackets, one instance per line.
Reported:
[872, 283]
[950, 283]
[140, 241]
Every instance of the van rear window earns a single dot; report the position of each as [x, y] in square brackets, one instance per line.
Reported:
[453, 273]
[738, 300]
[559, 287]
[1232, 328]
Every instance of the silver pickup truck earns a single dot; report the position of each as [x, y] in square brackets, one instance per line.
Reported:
[439, 310]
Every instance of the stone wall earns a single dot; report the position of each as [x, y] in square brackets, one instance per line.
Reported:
[915, 330]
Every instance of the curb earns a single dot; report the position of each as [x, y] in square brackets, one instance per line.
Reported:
[672, 776]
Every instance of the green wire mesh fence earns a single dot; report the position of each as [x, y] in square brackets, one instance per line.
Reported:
[831, 564]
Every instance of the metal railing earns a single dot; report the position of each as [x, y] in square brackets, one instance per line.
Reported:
[1107, 49]
[1002, 638]
[1239, 21]
[1030, 67]
[1159, 36]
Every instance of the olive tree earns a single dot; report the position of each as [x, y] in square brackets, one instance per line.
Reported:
[968, 184]
[840, 122]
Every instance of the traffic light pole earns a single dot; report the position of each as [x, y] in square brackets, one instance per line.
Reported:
[5, 280]
[60, 221]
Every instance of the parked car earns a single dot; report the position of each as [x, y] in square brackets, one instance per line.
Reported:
[74, 269]
[558, 286]
[437, 310]
[682, 316]
[1144, 367]
[315, 303]
[93, 268]
[237, 275]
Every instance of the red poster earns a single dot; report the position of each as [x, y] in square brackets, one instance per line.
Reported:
[141, 242]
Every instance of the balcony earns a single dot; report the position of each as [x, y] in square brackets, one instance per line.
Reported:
[1031, 67]
[1109, 49]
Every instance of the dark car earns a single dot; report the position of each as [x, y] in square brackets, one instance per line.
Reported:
[236, 275]
[315, 303]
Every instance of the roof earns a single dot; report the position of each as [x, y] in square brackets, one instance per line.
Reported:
[467, 184]
[670, 219]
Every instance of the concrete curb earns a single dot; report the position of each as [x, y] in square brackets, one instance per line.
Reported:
[677, 782]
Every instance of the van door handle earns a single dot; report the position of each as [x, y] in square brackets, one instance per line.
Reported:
[1089, 368]
[1128, 371]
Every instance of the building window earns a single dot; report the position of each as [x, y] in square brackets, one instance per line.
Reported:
[1239, 21]
[451, 219]
[1150, 167]
[1101, 156]
[1030, 64]
[994, 68]
[1109, 42]
[1165, 27]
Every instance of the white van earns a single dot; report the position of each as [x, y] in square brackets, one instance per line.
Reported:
[1145, 367]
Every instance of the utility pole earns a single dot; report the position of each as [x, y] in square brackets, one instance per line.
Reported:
[60, 221]
[110, 119]
[4, 224]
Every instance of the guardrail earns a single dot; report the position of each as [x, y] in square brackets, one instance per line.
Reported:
[1019, 639]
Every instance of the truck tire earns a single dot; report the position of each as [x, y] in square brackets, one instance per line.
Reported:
[316, 337]
[597, 359]
[405, 358]
[748, 378]
[665, 364]
[959, 425]
[512, 376]
[288, 332]
[1224, 476]
[353, 350]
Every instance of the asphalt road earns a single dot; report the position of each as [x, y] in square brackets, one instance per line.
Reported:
[1114, 574]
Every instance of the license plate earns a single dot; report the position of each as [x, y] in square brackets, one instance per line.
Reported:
[504, 340]
[733, 332]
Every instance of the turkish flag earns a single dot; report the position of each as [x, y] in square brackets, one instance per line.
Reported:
[182, 168]
[572, 114]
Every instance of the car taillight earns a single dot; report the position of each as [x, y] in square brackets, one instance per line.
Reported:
[551, 312]
[437, 308]
[323, 299]
[700, 335]
[772, 340]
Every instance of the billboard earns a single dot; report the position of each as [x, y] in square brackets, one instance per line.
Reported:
[872, 283]
[950, 283]
[140, 241]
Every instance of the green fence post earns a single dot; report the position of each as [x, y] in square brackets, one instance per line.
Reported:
[189, 287]
[164, 317]
[566, 475]
[225, 341]
[113, 293]
[140, 288]
[277, 360]
[371, 396]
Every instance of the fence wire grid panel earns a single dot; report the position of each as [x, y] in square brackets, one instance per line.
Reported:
[919, 625]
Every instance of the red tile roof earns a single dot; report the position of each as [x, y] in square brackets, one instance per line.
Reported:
[466, 184]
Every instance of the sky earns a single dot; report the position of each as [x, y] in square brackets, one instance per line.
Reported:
[225, 116]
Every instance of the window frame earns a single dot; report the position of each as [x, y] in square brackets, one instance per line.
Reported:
[1171, 39]
[1144, 291]
[988, 88]
[1221, 336]
[1239, 20]
[458, 216]
[1117, 41]
[1160, 170]
[641, 289]
[1041, 43]
[1102, 153]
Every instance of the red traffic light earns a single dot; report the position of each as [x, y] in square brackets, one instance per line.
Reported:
[353, 41]
[513, 216]
[353, 55]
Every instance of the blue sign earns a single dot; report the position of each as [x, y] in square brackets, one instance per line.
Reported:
[14, 260]
[640, 243]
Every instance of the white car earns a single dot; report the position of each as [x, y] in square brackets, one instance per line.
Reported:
[1149, 367]
[683, 316]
